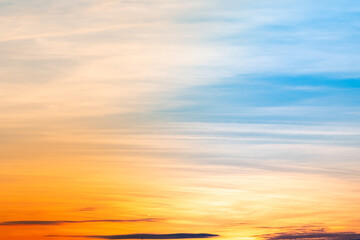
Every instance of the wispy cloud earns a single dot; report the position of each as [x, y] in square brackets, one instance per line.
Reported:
[33, 222]
[86, 209]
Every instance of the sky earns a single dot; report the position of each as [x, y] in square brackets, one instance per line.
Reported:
[169, 119]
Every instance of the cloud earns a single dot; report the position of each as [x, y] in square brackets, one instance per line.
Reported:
[15, 223]
[86, 209]
[150, 236]
[314, 234]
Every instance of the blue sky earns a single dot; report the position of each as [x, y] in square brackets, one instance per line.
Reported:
[288, 61]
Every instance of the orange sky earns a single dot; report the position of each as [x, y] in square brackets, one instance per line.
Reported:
[98, 174]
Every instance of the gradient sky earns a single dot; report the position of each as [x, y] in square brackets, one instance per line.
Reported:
[170, 119]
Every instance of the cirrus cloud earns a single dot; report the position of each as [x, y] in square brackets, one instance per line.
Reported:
[35, 222]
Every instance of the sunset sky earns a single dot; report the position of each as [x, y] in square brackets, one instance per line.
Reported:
[179, 119]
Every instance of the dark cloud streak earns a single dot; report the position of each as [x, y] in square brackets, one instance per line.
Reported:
[312, 235]
[150, 236]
